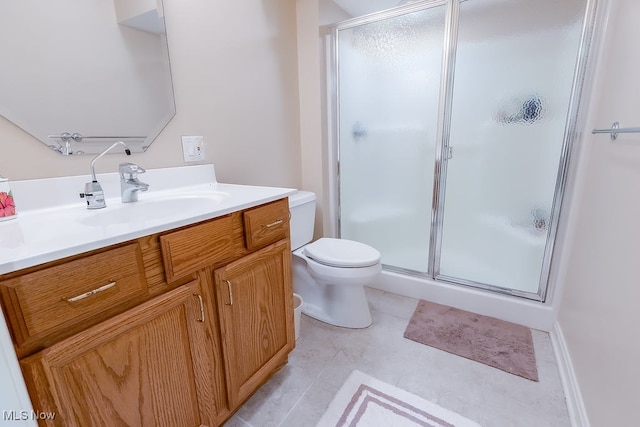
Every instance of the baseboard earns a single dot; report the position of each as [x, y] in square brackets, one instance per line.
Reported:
[575, 404]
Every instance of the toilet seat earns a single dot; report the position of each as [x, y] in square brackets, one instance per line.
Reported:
[342, 253]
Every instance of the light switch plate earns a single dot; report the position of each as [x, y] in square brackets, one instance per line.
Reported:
[193, 148]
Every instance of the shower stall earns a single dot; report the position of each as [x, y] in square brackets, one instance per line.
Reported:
[452, 127]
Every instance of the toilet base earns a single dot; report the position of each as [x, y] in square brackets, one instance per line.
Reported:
[347, 317]
[343, 304]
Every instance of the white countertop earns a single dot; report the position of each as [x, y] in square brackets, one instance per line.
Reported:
[58, 224]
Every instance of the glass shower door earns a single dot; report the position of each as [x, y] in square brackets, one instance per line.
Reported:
[389, 72]
[514, 68]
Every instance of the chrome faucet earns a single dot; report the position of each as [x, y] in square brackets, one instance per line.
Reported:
[129, 184]
[93, 192]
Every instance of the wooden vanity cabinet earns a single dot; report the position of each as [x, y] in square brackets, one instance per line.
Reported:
[254, 295]
[177, 328]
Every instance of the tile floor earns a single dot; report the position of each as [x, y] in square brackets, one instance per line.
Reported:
[324, 356]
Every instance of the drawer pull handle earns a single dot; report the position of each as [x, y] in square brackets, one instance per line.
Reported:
[274, 223]
[93, 292]
[201, 319]
[230, 292]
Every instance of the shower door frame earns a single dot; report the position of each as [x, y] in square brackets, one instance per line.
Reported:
[443, 136]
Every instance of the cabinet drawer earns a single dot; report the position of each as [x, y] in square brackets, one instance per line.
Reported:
[190, 249]
[266, 224]
[54, 299]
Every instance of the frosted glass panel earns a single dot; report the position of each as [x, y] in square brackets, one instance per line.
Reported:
[389, 83]
[514, 69]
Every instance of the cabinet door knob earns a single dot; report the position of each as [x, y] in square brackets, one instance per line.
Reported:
[201, 319]
[230, 292]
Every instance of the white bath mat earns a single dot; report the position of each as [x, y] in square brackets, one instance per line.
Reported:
[364, 401]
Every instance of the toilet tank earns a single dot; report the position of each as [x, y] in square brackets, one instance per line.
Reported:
[302, 206]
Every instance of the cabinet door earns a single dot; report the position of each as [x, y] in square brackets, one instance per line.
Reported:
[254, 296]
[151, 365]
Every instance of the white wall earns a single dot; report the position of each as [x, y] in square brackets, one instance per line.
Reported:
[600, 313]
[234, 68]
[311, 156]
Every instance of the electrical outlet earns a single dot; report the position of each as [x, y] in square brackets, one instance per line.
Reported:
[193, 148]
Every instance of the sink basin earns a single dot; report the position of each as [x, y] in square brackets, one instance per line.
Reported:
[154, 209]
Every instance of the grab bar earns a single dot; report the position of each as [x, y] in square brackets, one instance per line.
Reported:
[615, 130]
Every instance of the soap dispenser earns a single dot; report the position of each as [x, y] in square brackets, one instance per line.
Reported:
[7, 204]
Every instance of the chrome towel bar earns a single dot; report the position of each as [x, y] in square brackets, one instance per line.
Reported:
[615, 130]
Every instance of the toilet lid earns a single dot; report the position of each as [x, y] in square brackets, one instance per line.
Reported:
[342, 253]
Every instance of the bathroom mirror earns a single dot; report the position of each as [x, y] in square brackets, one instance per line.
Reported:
[81, 74]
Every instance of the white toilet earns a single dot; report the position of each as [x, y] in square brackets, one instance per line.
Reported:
[330, 274]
